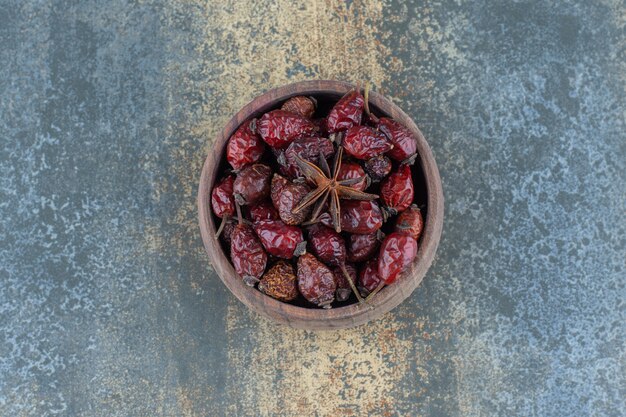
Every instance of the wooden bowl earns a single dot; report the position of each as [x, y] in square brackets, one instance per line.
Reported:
[428, 185]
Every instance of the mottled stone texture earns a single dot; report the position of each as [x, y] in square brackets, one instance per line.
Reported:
[108, 306]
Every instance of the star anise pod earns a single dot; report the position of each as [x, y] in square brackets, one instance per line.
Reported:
[328, 187]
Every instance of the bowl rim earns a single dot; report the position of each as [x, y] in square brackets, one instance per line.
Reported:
[339, 317]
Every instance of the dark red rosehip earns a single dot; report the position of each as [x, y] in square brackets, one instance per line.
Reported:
[315, 281]
[279, 128]
[280, 239]
[343, 287]
[227, 232]
[301, 105]
[362, 247]
[244, 146]
[327, 245]
[247, 254]
[289, 198]
[222, 200]
[347, 112]
[404, 143]
[378, 167]
[363, 142]
[396, 191]
[396, 253]
[369, 279]
[410, 222]
[263, 211]
[351, 170]
[280, 282]
[360, 216]
[252, 184]
[307, 148]
[278, 183]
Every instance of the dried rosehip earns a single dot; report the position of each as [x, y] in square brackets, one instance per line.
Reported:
[227, 232]
[347, 112]
[263, 211]
[369, 280]
[278, 183]
[396, 253]
[244, 146]
[404, 143]
[378, 167]
[396, 191]
[279, 239]
[327, 245]
[290, 197]
[360, 216]
[307, 148]
[410, 222]
[362, 247]
[247, 254]
[252, 184]
[352, 170]
[222, 199]
[363, 142]
[304, 106]
[315, 281]
[343, 286]
[279, 128]
[280, 282]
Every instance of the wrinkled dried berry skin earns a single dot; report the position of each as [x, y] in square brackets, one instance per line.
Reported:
[244, 147]
[222, 199]
[301, 105]
[404, 143]
[289, 199]
[315, 281]
[253, 183]
[226, 235]
[396, 253]
[362, 247]
[276, 187]
[247, 253]
[360, 217]
[343, 287]
[410, 222]
[280, 282]
[350, 170]
[347, 112]
[327, 245]
[307, 148]
[396, 191]
[279, 128]
[278, 238]
[363, 142]
[378, 167]
[368, 277]
[263, 211]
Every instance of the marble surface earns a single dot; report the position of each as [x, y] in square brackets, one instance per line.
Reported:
[109, 307]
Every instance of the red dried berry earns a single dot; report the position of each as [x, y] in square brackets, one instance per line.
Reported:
[315, 281]
[244, 146]
[252, 184]
[280, 282]
[369, 279]
[396, 191]
[347, 112]
[362, 247]
[360, 216]
[247, 254]
[343, 287]
[307, 148]
[279, 128]
[378, 167]
[227, 232]
[222, 199]
[327, 245]
[410, 222]
[301, 105]
[290, 197]
[352, 170]
[278, 183]
[396, 253]
[280, 239]
[263, 211]
[363, 142]
[404, 143]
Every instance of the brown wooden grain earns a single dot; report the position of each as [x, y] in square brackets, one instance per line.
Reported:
[309, 318]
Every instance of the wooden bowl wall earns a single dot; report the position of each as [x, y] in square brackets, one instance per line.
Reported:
[428, 186]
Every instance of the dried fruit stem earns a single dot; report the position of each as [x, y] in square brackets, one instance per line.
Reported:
[349, 278]
[373, 293]
[225, 220]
